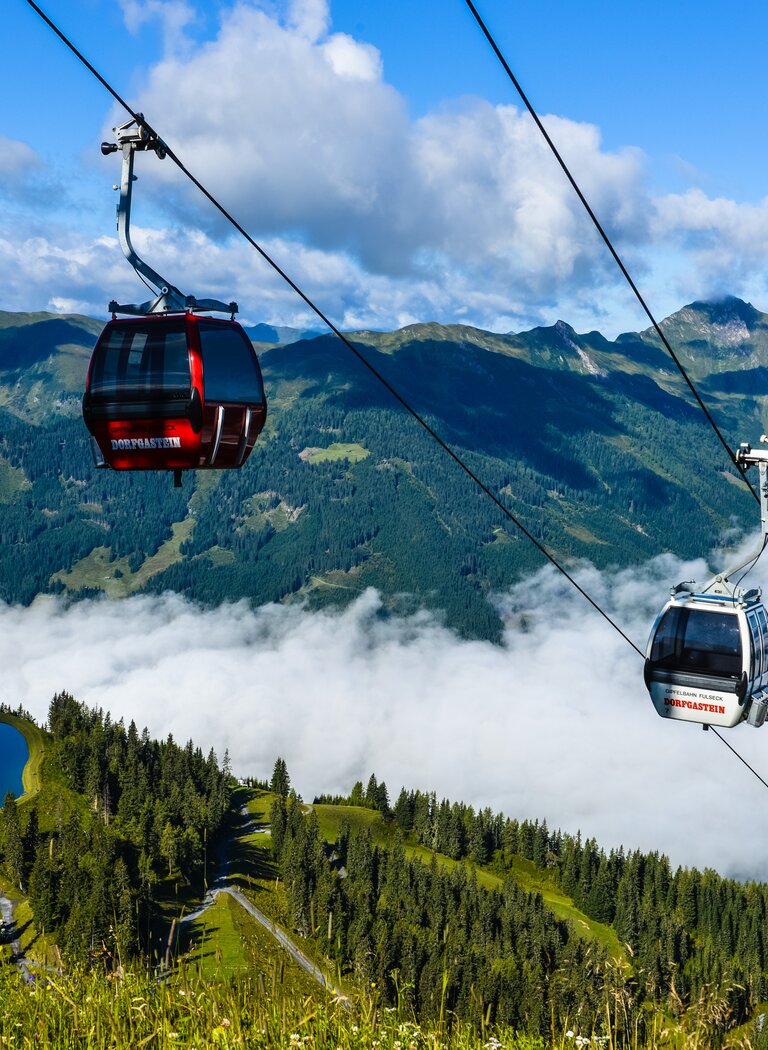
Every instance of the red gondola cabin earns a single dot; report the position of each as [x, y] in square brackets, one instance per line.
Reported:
[174, 392]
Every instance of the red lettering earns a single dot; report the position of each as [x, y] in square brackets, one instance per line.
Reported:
[694, 705]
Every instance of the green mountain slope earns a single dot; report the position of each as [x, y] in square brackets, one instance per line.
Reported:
[594, 444]
[523, 871]
[133, 855]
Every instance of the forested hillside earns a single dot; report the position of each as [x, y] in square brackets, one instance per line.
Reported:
[594, 444]
[116, 813]
[453, 918]
[464, 910]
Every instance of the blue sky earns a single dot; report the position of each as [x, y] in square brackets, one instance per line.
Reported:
[380, 154]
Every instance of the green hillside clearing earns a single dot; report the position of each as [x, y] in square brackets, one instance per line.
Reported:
[12, 481]
[523, 871]
[225, 942]
[338, 450]
[115, 577]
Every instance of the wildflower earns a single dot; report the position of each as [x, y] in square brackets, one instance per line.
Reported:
[295, 1038]
[225, 1023]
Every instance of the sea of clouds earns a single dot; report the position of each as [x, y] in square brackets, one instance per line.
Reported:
[554, 723]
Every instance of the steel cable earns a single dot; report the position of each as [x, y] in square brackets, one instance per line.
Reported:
[374, 371]
[609, 245]
[139, 118]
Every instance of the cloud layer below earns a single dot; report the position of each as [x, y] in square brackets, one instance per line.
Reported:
[556, 723]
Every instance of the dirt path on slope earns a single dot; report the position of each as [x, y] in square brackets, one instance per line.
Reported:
[222, 885]
[9, 935]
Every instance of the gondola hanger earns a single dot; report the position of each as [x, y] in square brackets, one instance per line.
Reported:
[707, 655]
[168, 389]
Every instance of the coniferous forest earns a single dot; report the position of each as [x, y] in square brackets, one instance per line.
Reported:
[119, 811]
[689, 940]
[593, 445]
[457, 918]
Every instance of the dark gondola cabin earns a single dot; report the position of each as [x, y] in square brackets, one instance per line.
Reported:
[707, 660]
[174, 392]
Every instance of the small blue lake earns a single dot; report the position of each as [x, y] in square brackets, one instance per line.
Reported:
[13, 757]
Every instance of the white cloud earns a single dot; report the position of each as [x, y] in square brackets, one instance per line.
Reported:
[310, 18]
[556, 723]
[462, 215]
[59, 270]
[459, 216]
[298, 131]
[266, 120]
[351, 60]
[17, 159]
[25, 182]
[727, 241]
[174, 17]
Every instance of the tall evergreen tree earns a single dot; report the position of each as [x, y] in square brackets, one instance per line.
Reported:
[13, 849]
[280, 783]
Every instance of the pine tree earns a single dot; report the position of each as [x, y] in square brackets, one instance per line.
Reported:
[478, 848]
[169, 845]
[13, 851]
[31, 842]
[280, 783]
[278, 822]
[382, 800]
[42, 888]
[372, 792]
[125, 931]
[403, 811]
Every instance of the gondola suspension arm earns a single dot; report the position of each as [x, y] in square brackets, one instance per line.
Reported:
[132, 136]
[721, 584]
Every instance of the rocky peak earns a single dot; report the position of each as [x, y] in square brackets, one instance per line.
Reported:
[725, 324]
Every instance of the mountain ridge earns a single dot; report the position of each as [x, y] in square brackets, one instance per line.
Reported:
[595, 445]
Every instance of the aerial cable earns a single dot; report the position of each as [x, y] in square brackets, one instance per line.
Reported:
[640, 299]
[753, 563]
[143, 280]
[371, 368]
[609, 245]
[740, 757]
[139, 118]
